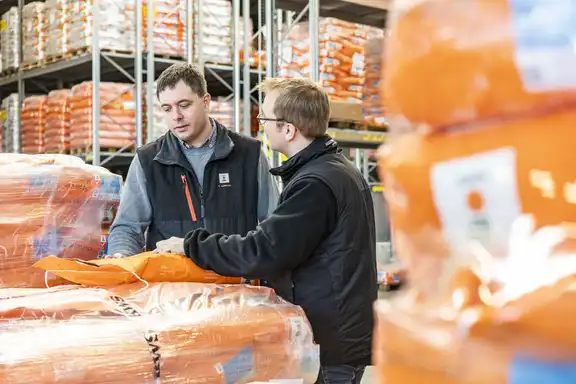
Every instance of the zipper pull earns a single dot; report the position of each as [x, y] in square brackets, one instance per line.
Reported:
[202, 205]
[184, 181]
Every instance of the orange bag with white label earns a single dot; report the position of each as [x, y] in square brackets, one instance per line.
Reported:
[148, 266]
[445, 192]
[451, 62]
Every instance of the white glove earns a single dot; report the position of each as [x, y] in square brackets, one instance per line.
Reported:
[172, 245]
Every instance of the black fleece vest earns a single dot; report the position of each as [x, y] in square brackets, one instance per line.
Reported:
[226, 203]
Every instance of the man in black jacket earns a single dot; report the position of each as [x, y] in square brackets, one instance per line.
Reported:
[317, 249]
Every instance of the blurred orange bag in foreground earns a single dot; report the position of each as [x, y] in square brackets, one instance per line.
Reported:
[148, 266]
[169, 333]
[445, 192]
[451, 62]
[50, 205]
[514, 328]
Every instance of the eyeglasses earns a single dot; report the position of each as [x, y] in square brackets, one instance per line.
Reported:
[263, 120]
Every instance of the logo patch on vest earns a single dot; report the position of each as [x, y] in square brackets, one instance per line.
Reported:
[224, 179]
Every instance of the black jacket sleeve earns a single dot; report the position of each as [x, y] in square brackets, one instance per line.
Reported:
[306, 215]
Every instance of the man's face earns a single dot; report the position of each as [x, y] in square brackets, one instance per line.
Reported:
[185, 113]
[273, 131]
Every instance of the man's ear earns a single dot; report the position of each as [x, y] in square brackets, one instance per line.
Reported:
[290, 132]
[207, 100]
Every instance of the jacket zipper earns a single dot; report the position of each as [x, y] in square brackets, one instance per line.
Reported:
[189, 198]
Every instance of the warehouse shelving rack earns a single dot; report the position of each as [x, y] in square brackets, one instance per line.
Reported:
[288, 13]
[99, 64]
[235, 81]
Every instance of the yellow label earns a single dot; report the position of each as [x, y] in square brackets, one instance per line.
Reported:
[377, 188]
[358, 136]
[3, 115]
[2, 25]
[145, 11]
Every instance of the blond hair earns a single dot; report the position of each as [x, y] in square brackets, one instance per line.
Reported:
[300, 102]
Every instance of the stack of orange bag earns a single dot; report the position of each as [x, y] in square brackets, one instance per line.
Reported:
[341, 56]
[50, 205]
[372, 107]
[117, 120]
[33, 123]
[169, 30]
[481, 98]
[57, 127]
[163, 332]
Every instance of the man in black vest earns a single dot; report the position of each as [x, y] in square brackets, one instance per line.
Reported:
[317, 249]
[198, 175]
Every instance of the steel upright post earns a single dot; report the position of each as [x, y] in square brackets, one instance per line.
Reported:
[138, 75]
[95, 83]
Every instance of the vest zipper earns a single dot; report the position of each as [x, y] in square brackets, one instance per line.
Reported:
[202, 205]
[188, 197]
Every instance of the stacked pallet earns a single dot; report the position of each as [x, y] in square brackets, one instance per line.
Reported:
[34, 32]
[116, 119]
[372, 106]
[33, 124]
[169, 28]
[10, 40]
[59, 16]
[57, 127]
[116, 19]
[341, 56]
[10, 126]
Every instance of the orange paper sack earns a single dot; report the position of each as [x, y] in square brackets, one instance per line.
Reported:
[148, 266]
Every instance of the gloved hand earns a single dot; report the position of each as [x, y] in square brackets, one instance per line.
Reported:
[171, 245]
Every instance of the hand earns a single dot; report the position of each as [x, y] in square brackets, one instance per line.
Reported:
[172, 245]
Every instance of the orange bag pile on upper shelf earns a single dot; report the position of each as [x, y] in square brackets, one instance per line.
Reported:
[372, 107]
[341, 56]
[481, 191]
[50, 205]
[167, 332]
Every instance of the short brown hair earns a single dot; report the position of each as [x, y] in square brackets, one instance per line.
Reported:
[188, 73]
[300, 102]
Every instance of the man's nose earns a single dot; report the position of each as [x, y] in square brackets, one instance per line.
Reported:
[177, 115]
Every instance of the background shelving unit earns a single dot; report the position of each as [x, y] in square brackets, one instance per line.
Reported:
[260, 25]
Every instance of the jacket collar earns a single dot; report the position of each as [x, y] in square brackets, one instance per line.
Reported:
[320, 146]
[171, 149]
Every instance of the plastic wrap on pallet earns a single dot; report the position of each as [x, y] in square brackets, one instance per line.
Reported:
[59, 15]
[33, 124]
[170, 28]
[50, 205]
[168, 332]
[57, 127]
[341, 56]
[34, 32]
[116, 19]
[10, 126]
[372, 106]
[10, 39]
[117, 120]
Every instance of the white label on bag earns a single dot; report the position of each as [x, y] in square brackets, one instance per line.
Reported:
[476, 198]
[545, 32]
